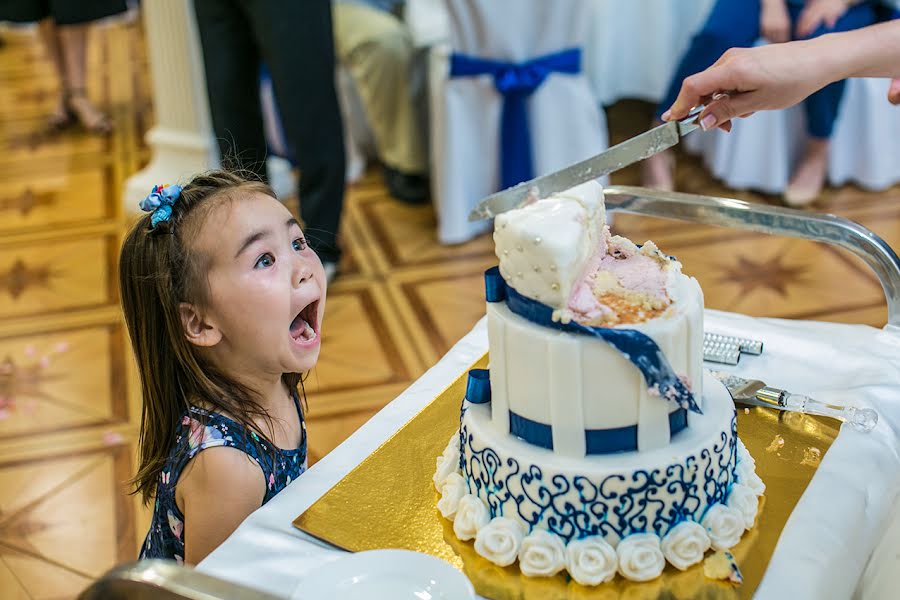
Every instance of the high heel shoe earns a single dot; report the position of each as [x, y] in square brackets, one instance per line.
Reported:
[88, 115]
[62, 118]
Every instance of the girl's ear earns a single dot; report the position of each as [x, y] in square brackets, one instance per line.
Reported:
[198, 331]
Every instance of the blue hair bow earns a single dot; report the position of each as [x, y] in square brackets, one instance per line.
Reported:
[160, 202]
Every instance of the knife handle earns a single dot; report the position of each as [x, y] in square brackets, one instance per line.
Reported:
[862, 419]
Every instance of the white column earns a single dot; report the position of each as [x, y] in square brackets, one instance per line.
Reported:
[181, 139]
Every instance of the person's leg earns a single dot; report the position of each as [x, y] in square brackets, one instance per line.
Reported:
[60, 117]
[232, 62]
[821, 109]
[297, 44]
[377, 49]
[73, 45]
[731, 24]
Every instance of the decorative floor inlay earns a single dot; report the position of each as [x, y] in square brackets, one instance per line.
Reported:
[69, 397]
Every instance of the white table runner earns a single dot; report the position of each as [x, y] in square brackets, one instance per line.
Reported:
[826, 544]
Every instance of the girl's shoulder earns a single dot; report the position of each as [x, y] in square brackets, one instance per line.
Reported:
[201, 428]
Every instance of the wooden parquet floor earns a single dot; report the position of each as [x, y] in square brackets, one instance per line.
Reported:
[68, 406]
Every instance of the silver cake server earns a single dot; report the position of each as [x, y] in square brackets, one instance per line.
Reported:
[619, 156]
[757, 393]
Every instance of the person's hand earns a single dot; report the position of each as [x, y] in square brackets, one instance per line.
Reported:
[818, 13]
[894, 92]
[774, 21]
[745, 80]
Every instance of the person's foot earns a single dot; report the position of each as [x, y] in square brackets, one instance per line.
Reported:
[90, 117]
[61, 118]
[406, 187]
[809, 176]
[657, 171]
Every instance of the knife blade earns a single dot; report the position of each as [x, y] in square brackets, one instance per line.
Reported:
[756, 393]
[621, 155]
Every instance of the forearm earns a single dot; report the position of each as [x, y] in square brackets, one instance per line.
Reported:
[869, 52]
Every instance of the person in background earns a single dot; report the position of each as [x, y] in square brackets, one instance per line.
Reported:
[63, 27]
[746, 80]
[741, 23]
[373, 43]
[295, 41]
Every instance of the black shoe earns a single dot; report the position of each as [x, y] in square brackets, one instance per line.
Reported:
[412, 189]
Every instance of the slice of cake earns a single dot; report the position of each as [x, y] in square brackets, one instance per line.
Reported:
[594, 443]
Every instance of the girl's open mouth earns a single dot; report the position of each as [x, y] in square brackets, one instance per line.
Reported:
[304, 327]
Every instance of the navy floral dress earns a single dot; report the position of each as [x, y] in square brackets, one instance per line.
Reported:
[200, 429]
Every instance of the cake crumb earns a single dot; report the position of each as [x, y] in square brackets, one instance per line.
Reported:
[721, 565]
[776, 445]
[811, 457]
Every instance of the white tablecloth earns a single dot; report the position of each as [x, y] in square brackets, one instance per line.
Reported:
[826, 543]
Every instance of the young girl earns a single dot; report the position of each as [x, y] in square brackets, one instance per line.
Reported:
[224, 301]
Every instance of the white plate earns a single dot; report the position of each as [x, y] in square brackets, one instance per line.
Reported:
[385, 574]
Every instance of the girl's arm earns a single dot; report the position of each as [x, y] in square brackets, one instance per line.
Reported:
[217, 490]
[781, 75]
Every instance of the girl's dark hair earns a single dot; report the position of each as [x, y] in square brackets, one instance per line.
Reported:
[158, 270]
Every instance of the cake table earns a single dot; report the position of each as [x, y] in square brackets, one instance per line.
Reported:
[840, 528]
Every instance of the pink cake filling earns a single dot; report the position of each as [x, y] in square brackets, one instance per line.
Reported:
[620, 284]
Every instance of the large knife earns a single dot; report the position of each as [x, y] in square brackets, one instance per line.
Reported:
[619, 156]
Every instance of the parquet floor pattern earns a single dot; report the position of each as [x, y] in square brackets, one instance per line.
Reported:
[69, 411]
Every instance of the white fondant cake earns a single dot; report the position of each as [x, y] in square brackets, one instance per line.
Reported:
[598, 447]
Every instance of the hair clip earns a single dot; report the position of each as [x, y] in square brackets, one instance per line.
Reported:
[159, 202]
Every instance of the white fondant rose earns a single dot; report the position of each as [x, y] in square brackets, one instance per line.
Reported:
[499, 541]
[447, 463]
[743, 500]
[453, 488]
[543, 554]
[746, 475]
[471, 516]
[640, 557]
[591, 561]
[685, 544]
[724, 525]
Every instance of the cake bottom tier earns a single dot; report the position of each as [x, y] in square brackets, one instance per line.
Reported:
[626, 512]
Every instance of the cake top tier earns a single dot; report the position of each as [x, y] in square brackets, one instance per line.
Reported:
[559, 251]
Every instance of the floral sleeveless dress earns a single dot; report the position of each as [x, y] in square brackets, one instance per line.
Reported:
[200, 429]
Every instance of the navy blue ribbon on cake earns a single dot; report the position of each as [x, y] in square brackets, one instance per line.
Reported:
[637, 347]
[596, 441]
[516, 82]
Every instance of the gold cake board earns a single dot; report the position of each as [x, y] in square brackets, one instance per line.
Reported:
[388, 501]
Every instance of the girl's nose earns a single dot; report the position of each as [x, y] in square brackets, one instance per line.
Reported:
[302, 273]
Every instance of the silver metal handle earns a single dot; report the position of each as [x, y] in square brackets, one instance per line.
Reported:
[163, 579]
[737, 214]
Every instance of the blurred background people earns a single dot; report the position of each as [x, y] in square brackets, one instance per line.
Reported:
[373, 43]
[295, 41]
[63, 27]
[741, 24]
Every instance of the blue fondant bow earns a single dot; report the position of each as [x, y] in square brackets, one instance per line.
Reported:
[159, 201]
[637, 347]
[515, 82]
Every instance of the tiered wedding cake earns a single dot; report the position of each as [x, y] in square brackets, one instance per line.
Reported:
[595, 443]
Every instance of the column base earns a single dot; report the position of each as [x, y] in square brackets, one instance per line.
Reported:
[177, 156]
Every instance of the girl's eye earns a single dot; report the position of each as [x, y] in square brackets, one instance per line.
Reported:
[299, 244]
[265, 261]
